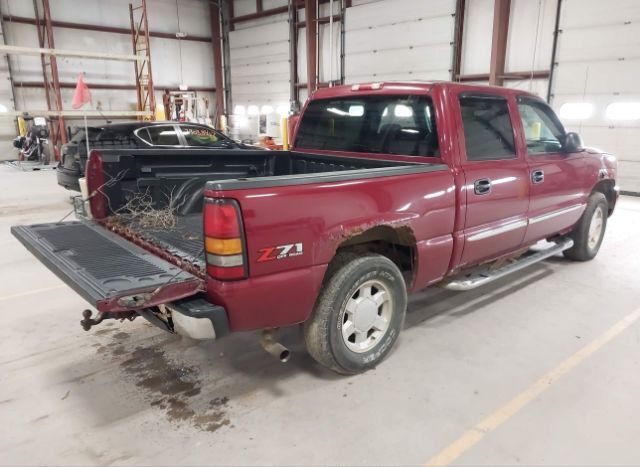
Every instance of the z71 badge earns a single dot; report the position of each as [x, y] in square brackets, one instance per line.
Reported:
[280, 252]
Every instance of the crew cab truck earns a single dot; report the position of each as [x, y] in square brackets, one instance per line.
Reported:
[388, 188]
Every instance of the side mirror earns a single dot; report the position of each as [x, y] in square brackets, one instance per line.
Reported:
[572, 143]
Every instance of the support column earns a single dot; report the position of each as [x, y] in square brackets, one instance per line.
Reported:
[218, 72]
[501, 12]
[52, 85]
[312, 44]
[457, 40]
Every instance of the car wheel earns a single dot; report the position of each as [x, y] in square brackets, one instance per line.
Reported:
[588, 234]
[358, 315]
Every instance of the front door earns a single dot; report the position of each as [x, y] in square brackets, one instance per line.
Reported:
[556, 178]
[496, 178]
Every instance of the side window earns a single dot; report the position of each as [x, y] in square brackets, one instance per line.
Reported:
[160, 135]
[201, 137]
[488, 132]
[542, 130]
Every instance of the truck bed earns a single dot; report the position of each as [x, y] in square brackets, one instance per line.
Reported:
[179, 178]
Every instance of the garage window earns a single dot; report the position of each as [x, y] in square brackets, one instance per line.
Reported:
[626, 111]
[488, 133]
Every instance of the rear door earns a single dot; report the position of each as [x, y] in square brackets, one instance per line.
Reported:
[556, 178]
[496, 177]
[111, 273]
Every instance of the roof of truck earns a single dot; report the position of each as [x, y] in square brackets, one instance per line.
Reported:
[398, 87]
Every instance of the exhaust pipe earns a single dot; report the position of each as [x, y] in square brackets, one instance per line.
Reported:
[274, 348]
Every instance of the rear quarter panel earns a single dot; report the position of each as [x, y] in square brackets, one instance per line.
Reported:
[320, 217]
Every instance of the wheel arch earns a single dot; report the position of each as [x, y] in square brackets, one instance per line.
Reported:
[396, 243]
[607, 188]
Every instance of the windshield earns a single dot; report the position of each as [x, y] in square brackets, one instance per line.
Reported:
[402, 125]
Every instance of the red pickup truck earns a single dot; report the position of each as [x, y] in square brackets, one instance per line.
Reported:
[388, 188]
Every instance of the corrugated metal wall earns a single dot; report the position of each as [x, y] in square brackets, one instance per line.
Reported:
[260, 64]
[598, 61]
[173, 61]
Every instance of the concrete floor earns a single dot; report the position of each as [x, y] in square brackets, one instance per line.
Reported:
[130, 394]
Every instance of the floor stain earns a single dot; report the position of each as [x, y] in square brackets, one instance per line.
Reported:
[121, 335]
[65, 396]
[171, 388]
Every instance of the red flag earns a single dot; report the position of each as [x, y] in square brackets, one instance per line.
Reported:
[82, 94]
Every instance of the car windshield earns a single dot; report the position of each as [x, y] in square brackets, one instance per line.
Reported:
[403, 125]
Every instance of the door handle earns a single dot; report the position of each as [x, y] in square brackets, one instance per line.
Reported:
[482, 186]
[537, 176]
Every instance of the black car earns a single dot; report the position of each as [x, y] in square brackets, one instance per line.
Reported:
[136, 135]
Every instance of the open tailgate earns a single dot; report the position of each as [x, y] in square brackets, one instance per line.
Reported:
[111, 273]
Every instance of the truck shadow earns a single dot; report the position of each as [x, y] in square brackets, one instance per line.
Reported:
[201, 385]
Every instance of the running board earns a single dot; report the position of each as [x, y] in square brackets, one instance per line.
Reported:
[477, 279]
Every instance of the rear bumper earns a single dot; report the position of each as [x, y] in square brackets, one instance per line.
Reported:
[199, 319]
[68, 178]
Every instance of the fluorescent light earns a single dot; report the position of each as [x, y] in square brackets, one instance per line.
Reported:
[253, 110]
[3, 109]
[623, 111]
[183, 87]
[266, 109]
[576, 110]
[282, 110]
[239, 110]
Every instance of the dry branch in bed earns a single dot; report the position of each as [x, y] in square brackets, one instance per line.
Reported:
[140, 210]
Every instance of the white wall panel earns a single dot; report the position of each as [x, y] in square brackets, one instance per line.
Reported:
[259, 60]
[535, 86]
[598, 61]
[174, 62]
[531, 25]
[476, 43]
[399, 40]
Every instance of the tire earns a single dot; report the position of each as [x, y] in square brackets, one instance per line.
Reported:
[370, 288]
[588, 233]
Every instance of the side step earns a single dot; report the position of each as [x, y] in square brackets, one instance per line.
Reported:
[477, 279]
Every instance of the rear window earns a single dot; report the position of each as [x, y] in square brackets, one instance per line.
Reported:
[79, 135]
[402, 125]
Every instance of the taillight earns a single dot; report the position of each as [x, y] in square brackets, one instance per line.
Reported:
[224, 243]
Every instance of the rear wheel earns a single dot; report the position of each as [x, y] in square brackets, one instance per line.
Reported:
[588, 234]
[358, 315]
